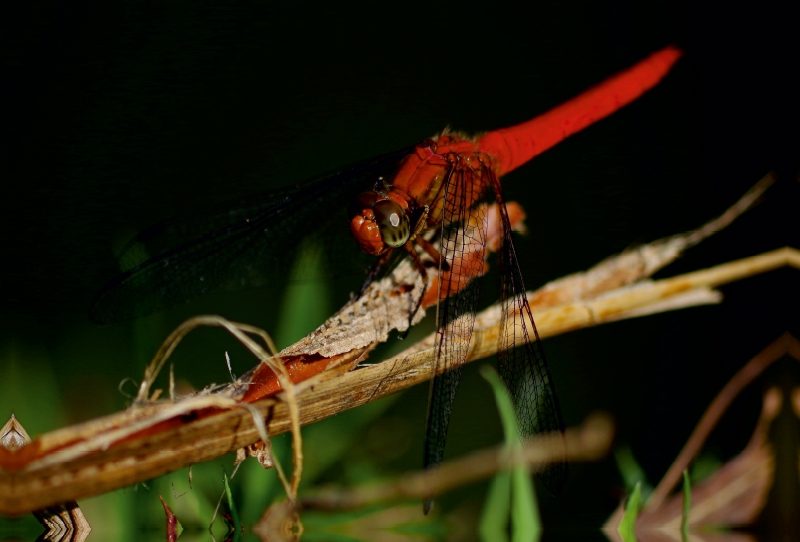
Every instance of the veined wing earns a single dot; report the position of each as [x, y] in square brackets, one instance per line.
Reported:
[463, 247]
[520, 357]
[250, 245]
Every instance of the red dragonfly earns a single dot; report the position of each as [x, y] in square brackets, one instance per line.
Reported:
[426, 201]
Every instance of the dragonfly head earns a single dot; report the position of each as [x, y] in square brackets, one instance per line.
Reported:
[378, 223]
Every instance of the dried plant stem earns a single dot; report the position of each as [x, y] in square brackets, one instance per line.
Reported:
[785, 344]
[155, 438]
[589, 442]
[126, 447]
[642, 298]
[239, 331]
[173, 340]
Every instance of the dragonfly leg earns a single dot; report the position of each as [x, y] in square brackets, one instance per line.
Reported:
[426, 245]
[420, 265]
[432, 251]
[421, 224]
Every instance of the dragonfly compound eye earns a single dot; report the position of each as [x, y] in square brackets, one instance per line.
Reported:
[393, 223]
[365, 200]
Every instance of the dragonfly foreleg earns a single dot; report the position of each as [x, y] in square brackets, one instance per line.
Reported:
[423, 271]
[433, 252]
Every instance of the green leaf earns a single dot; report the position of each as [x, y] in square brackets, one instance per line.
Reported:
[527, 525]
[504, 406]
[237, 525]
[627, 526]
[630, 470]
[306, 303]
[525, 520]
[496, 510]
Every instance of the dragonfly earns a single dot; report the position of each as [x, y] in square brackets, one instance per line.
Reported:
[426, 202]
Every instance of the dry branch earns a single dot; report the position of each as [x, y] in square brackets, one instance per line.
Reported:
[589, 442]
[154, 439]
[785, 344]
[735, 494]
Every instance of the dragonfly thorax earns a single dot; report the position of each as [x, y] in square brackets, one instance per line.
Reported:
[396, 212]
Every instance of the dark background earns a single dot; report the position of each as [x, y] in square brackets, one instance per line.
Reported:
[118, 116]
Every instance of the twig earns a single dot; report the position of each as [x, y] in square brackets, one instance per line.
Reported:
[154, 439]
[173, 340]
[141, 443]
[639, 262]
[589, 442]
[785, 344]
[238, 330]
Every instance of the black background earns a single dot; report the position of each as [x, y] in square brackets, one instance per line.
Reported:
[117, 116]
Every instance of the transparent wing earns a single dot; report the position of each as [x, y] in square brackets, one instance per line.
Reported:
[250, 245]
[520, 359]
[463, 247]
